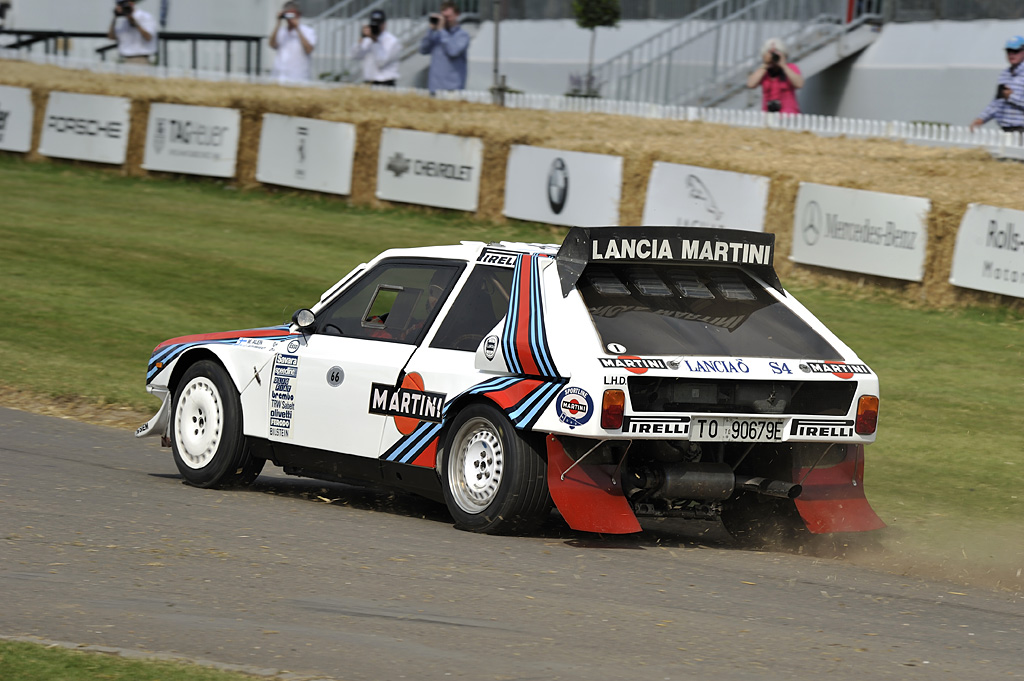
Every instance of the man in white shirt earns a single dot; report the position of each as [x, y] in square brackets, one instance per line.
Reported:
[135, 32]
[379, 51]
[294, 43]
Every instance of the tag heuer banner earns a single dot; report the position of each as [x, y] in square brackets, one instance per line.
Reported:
[195, 140]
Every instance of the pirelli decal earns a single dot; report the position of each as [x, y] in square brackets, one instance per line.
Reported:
[388, 400]
[656, 425]
[498, 258]
[818, 428]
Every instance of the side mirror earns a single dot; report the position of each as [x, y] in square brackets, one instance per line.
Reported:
[303, 319]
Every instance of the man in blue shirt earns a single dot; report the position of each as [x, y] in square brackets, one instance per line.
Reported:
[447, 45]
[1008, 106]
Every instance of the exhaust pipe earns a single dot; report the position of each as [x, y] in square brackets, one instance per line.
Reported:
[771, 488]
[705, 482]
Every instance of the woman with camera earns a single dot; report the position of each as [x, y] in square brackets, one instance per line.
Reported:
[779, 80]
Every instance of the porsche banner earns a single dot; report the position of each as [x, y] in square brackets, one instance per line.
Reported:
[692, 196]
[194, 140]
[989, 252]
[86, 127]
[429, 169]
[563, 187]
[16, 113]
[306, 153]
[860, 231]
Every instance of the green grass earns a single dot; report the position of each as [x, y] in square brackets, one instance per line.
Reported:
[95, 269]
[33, 662]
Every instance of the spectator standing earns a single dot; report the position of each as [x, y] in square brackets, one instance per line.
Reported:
[294, 42]
[779, 80]
[1008, 106]
[447, 44]
[379, 51]
[135, 32]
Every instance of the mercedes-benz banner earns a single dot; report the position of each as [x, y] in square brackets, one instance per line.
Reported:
[700, 197]
[16, 115]
[86, 127]
[563, 187]
[989, 252]
[860, 231]
[195, 140]
[306, 153]
[429, 169]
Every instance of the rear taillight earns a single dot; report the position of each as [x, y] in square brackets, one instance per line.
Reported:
[612, 407]
[867, 415]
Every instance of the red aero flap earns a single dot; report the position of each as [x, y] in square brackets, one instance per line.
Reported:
[587, 497]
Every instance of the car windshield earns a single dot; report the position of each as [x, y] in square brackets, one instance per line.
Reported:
[694, 310]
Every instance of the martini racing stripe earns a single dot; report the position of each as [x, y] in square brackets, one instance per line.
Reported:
[524, 340]
[167, 351]
[522, 399]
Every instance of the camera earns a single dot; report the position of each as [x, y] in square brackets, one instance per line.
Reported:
[775, 58]
[1001, 91]
[774, 106]
[123, 8]
[435, 19]
[289, 15]
[375, 29]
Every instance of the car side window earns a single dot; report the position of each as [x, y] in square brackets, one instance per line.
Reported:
[481, 304]
[392, 302]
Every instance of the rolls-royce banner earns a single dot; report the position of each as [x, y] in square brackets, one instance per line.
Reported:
[860, 231]
[195, 140]
[563, 187]
[86, 127]
[16, 115]
[430, 169]
[989, 252]
[306, 153]
[700, 197]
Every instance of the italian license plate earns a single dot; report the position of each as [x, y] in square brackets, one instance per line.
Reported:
[728, 429]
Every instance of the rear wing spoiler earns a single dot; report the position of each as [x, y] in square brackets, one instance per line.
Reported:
[754, 251]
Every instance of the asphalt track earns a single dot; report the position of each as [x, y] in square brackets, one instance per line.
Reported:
[103, 545]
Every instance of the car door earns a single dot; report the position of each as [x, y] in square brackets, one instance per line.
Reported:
[341, 383]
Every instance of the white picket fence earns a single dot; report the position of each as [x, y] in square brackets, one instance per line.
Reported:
[1000, 144]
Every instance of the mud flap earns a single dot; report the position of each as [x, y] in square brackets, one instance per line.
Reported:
[833, 498]
[587, 497]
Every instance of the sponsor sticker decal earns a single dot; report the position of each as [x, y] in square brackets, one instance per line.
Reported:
[696, 250]
[498, 258]
[558, 185]
[293, 345]
[656, 425]
[387, 400]
[616, 348]
[574, 406]
[632, 364]
[282, 398]
[335, 376]
[821, 428]
[840, 369]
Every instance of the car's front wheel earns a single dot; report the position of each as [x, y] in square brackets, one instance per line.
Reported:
[493, 479]
[206, 430]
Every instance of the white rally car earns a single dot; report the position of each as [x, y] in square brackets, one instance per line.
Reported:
[631, 372]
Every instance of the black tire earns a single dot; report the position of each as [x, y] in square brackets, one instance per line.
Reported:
[764, 521]
[494, 480]
[209, 448]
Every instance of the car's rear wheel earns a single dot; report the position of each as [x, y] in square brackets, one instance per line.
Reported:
[206, 430]
[494, 480]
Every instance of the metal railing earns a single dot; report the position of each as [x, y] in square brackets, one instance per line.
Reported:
[237, 53]
[714, 49]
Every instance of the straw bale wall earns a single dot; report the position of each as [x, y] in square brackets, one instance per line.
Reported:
[950, 178]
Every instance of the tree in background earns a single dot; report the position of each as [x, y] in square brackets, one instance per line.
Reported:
[591, 15]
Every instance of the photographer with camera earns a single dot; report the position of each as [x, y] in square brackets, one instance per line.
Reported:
[779, 80]
[379, 51]
[135, 32]
[1007, 108]
[447, 44]
[294, 43]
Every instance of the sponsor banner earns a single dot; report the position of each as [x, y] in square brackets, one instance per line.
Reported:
[16, 115]
[695, 250]
[429, 169]
[195, 140]
[562, 187]
[657, 425]
[689, 195]
[989, 252]
[860, 231]
[306, 153]
[86, 127]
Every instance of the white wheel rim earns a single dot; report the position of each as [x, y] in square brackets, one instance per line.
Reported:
[475, 466]
[198, 422]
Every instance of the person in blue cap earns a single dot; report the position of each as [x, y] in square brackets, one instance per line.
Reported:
[1007, 108]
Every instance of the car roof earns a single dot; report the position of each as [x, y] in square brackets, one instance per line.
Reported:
[468, 250]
